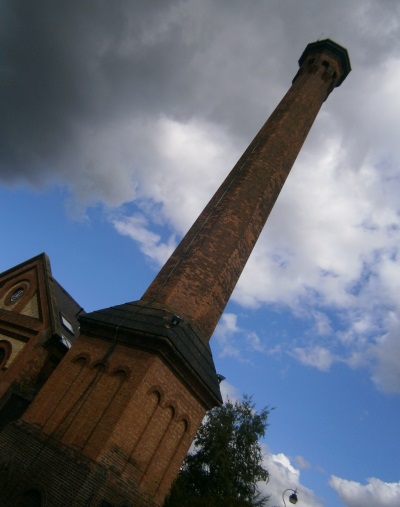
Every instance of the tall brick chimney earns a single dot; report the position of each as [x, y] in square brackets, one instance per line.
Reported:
[198, 279]
[115, 420]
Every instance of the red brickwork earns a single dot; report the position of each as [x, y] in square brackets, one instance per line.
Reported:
[128, 413]
[25, 324]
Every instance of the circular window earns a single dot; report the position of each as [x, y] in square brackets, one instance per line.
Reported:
[17, 292]
[16, 295]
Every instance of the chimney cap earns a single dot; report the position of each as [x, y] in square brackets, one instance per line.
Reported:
[333, 49]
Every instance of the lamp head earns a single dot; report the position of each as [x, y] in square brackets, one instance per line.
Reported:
[293, 498]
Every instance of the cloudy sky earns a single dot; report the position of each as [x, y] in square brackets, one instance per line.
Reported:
[118, 121]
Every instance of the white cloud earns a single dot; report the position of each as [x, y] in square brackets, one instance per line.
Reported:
[187, 163]
[229, 391]
[150, 243]
[235, 341]
[375, 492]
[254, 341]
[322, 323]
[318, 357]
[225, 335]
[170, 167]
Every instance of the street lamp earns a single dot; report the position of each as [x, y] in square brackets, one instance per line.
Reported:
[292, 498]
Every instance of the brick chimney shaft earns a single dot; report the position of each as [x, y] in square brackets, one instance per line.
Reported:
[199, 277]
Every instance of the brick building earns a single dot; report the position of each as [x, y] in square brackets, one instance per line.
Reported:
[106, 418]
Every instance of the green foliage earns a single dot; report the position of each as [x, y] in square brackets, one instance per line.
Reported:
[227, 462]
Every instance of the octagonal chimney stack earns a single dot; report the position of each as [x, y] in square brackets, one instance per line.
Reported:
[199, 277]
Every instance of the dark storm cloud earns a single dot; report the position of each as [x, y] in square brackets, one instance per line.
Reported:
[72, 69]
[62, 65]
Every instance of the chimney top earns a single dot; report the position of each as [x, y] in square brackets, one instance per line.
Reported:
[333, 49]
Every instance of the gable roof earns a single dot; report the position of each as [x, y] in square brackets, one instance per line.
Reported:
[32, 301]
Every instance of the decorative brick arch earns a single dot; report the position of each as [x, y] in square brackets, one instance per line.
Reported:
[83, 358]
[159, 391]
[122, 369]
[170, 404]
[101, 364]
[186, 422]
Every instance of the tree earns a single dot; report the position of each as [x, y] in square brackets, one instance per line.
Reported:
[226, 465]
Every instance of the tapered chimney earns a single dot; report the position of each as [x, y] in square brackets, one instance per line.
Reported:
[198, 279]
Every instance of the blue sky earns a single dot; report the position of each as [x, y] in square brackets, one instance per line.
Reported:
[118, 121]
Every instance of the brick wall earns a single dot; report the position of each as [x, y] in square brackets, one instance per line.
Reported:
[128, 413]
[24, 325]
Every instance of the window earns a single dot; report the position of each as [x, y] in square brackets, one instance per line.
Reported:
[66, 323]
[16, 295]
[65, 341]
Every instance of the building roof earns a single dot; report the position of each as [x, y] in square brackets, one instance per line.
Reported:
[152, 327]
[62, 309]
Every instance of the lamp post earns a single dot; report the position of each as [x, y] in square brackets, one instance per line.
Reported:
[292, 498]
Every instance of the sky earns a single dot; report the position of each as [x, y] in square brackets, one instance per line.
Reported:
[118, 122]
